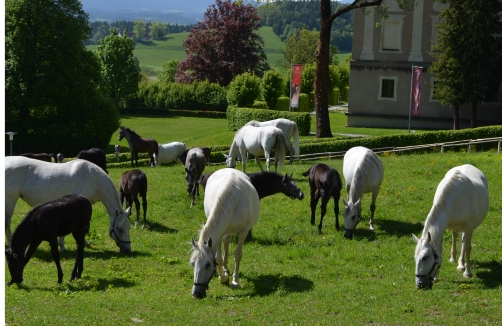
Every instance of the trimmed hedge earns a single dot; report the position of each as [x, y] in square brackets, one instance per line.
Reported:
[334, 96]
[238, 117]
[260, 105]
[282, 104]
[303, 103]
[172, 113]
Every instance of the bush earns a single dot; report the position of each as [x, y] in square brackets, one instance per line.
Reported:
[260, 105]
[303, 103]
[271, 88]
[238, 117]
[243, 90]
[334, 96]
[283, 104]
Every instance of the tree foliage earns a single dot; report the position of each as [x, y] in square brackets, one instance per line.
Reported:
[468, 64]
[157, 30]
[168, 72]
[139, 29]
[119, 69]
[224, 45]
[51, 95]
[244, 90]
[271, 87]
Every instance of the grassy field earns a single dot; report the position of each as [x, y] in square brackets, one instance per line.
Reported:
[289, 273]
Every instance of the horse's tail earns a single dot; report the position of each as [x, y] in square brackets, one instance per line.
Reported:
[306, 173]
[296, 141]
[156, 154]
[280, 148]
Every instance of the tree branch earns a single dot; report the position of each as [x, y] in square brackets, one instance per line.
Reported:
[354, 5]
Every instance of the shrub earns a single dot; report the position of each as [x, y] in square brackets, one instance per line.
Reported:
[260, 105]
[243, 90]
[334, 96]
[303, 103]
[282, 104]
[271, 88]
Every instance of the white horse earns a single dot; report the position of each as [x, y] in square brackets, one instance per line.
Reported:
[232, 207]
[169, 152]
[460, 205]
[257, 141]
[38, 182]
[363, 173]
[288, 128]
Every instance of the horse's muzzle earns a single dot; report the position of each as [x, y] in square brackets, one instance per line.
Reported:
[198, 292]
[423, 283]
[348, 234]
[125, 248]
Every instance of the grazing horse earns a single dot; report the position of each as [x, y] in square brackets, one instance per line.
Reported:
[205, 150]
[288, 128]
[46, 222]
[194, 167]
[257, 141]
[131, 184]
[169, 152]
[139, 145]
[232, 207]
[94, 155]
[325, 182]
[460, 205]
[363, 173]
[40, 156]
[38, 182]
[266, 184]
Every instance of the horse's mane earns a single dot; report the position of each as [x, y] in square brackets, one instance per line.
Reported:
[362, 168]
[26, 221]
[132, 132]
[267, 176]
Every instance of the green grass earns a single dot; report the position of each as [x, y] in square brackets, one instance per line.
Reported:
[154, 53]
[289, 273]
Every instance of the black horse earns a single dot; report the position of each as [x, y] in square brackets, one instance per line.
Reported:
[40, 156]
[131, 184]
[266, 184]
[325, 182]
[46, 222]
[205, 150]
[94, 155]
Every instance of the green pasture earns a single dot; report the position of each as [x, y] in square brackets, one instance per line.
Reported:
[290, 275]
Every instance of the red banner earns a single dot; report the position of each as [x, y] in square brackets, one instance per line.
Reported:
[296, 78]
[415, 97]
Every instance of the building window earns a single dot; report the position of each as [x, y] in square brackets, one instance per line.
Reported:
[435, 22]
[431, 88]
[391, 34]
[387, 88]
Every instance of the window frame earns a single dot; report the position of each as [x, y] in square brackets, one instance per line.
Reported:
[380, 83]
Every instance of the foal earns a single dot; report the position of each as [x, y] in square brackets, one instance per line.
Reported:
[327, 182]
[131, 184]
[46, 222]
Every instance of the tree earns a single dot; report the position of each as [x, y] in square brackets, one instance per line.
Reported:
[244, 90]
[225, 44]
[468, 57]
[119, 68]
[321, 81]
[168, 71]
[271, 87]
[157, 30]
[51, 81]
[139, 29]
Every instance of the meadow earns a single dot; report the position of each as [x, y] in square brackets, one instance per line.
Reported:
[290, 275]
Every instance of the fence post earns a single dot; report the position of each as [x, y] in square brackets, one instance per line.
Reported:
[498, 147]
[469, 150]
[442, 148]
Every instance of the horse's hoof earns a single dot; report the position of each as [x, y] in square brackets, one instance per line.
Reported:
[460, 268]
[467, 275]
[234, 285]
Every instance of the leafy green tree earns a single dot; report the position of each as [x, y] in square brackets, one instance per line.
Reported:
[157, 30]
[168, 72]
[139, 29]
[271, 87]
[244, 90]
[225, 44]
[468, 64]
[119, 69]
[52, 98]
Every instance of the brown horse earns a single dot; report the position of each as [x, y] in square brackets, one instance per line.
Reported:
[205, 150]
[131, 184]
[94, 155]
[46, 222]
[40, 156]
[139, 145]
[325, 182]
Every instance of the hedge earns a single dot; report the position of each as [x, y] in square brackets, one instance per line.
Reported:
[238, 117]
[282, 104]
[172, 113]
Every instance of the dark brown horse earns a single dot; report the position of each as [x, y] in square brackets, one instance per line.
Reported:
[325, 182]
[40, 156]
[139, 145]
[195, 164]
[46, 222]
[131, 184]
[94, 155]
[205, 150]
[266, 184]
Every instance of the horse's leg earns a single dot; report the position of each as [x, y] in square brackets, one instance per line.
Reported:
[8, 233]
[192, 195]
[373, 207]
[132, 157]
[244, 156]
[314, 199]
[55, 256]
[453, 253]
[136, 204]
[79, 237]
[336, 200]
[324, 204]
[61, 243]
[257, 160]
[465, 253]
[145, 204]
[290, 148]
[224, 264]
[238, 257]
[31, 249]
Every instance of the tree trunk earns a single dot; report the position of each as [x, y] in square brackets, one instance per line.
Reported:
[456, 113]
[474, 114]
[321, 79]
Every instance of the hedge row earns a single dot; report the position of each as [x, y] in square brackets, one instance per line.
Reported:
[172, 113]
[238, 117]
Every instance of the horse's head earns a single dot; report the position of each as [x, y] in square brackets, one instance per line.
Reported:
[290, 189]
[427, 262]
[204, 264]
[16, 266]
[351, 215]
[190, 178]
[119, 230]
[121, 132]
[231, 163]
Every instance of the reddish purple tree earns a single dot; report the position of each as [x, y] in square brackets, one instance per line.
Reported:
[223, 45]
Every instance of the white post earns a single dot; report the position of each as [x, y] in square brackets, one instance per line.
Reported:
[11, 138]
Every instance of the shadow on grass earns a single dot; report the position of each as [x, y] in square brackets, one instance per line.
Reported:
[89, 252]
[263, 241]
[75, 286]
[268, 284]
[491, 275]
[400, 229]
[160, 228]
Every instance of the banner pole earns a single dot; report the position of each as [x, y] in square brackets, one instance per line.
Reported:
[290, 83]
[411, 100]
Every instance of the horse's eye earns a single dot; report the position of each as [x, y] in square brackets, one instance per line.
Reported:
[208, 265]
[425, 257]
[353, 217]
[192, 263]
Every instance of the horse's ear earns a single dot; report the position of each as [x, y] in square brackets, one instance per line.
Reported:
[415, 238]
[194, 244]
[225, 155]
[345, 203]
[357, 202]
[209, 242]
